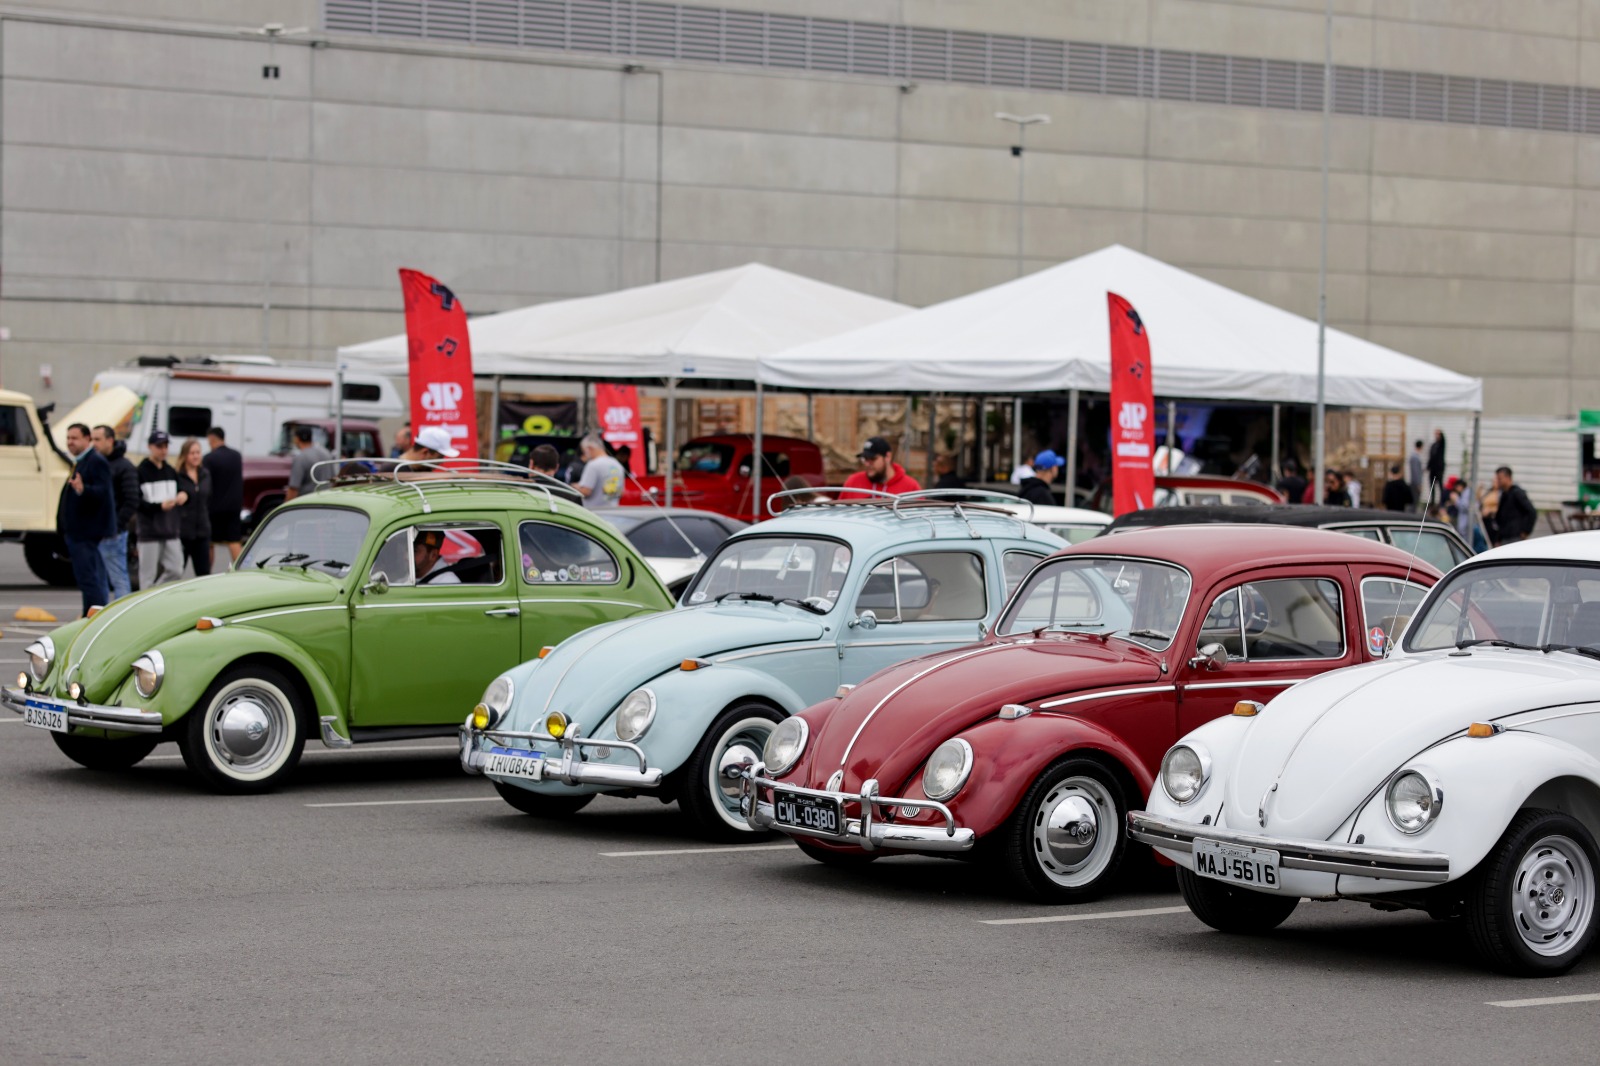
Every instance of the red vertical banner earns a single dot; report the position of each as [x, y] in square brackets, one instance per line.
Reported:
[440, 361]
[1133, 430]
[618, 409]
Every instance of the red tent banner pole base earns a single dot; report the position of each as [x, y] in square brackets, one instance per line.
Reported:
[439, 361]
[1133, 430]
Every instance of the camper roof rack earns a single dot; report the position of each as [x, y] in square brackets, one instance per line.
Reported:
[425, 476]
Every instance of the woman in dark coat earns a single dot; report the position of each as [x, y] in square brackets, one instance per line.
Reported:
[194, 515]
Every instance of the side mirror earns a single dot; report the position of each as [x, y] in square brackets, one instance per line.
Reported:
[1212, 657]
[378, 585]
[865, 620]
[744, 471]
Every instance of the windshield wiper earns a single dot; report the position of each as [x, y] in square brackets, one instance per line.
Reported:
[1576, 648]
[813, 608]
[1153, 634]
[285, 557]
[1496, 642]
[332, 564]
[1068, 627]
[761, 596]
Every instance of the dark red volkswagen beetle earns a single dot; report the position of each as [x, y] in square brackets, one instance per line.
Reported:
[1028, 749]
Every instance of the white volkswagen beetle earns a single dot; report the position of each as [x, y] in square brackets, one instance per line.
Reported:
[1460, 776]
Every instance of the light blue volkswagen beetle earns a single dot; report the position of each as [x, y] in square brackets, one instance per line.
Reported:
[783, 615]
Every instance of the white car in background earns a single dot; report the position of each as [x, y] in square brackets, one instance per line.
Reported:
[675, 541]
[1459, 776]
[1072, 524]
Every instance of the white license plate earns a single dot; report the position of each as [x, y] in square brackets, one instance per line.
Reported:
[43, 716]
[1237, 864]
[505, 764]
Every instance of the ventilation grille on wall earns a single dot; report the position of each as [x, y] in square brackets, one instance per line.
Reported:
[797, 42]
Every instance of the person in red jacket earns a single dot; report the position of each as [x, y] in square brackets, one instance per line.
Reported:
[879, 472]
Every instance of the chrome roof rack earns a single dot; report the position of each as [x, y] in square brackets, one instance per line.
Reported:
[423, 475]
[957, 501]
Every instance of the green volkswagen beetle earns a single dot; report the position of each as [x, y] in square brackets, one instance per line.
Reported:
[372, 610]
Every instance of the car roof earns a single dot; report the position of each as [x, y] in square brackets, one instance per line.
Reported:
[1580, 547]
[870, 525]
[1224, 547]
[643, 512]
[1283, 514]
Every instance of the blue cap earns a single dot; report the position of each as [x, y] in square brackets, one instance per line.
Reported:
[1048, 460]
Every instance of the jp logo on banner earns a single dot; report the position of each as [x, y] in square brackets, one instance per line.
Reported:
[440, 361]
[618, 407]
[1133, 479]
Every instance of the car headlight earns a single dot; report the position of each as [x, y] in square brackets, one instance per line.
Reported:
[148, 671]
[1413, 802]
[495, 703]
[636, 714]
[784, 745]
[947, 769]
[41, 654]
[1184, 772]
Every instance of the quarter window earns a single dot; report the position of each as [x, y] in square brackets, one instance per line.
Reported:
[926, 587]
[1015, 566]
[557, 555]
[1386, 606]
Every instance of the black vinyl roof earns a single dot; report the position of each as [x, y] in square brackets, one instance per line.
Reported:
[1286, 514]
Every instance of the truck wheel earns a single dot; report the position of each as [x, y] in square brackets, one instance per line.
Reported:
[1530, 904]
[247, 731]
[708, 797]
[1064, 843]
[102, 753]
[1233, 910]
[538, 804]
[46, 555]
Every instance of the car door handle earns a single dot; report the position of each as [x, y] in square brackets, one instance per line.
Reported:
[504, 612]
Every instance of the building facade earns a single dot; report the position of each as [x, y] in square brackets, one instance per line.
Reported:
[164, 179]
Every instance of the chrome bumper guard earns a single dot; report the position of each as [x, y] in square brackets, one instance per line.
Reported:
[1354, 860]
[867, 832]
[569, 769]
[91, 715]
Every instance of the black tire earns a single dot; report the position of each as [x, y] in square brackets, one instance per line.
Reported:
[233, 759]
[1233, 910]
[102, 753]
[712, 809]
[46, 555]
[1530, 905]
[540, 805]
[844, 860]
[1073, 785]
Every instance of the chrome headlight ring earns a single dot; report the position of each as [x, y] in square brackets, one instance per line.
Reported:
[635, 714]
[495, 703]
[41, 656]
[1412, 800]
[1185, 771]
[149, 670]
[785, 744]
[947, 770]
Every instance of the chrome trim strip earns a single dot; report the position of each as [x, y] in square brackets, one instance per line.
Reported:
[1353, 860]
[906, 643]
[1106, 694]
[777, 650]
[276, 614]
[72, 667]
[1247, 684]
[122, 719]
[900, 687]
[490, 602]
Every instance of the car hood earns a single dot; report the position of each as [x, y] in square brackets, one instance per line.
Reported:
[105, 648]
[888, 725]
[587, 675]
[1328, 742]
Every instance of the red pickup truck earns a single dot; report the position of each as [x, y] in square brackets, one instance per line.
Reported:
[713, 473]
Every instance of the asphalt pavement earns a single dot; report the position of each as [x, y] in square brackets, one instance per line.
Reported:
[385, 908]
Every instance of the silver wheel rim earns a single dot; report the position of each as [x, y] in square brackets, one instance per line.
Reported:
[1552, 896]
[740, 744]
[249, 729]
[1075, 829]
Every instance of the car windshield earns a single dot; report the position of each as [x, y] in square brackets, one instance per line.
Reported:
[325, 538]
[1549, 606]
[1138, 599]
[805, 571]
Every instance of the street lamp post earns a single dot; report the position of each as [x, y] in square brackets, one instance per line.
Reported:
[1319, 433]
[1022, 122]
[272, 31]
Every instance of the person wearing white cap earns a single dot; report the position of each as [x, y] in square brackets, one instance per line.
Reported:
[429, 444]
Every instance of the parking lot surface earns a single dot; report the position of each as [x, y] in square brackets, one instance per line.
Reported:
[385, 908]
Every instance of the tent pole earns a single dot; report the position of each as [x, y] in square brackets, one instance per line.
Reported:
[1319, 431]
[583, 411]
[672, 433]
[1172, 432]
[933, 431]
[757, 459]
[494, 417]
[1072, 447]
[1273, 470]
[338, 412]
[811, 416]
[1475, 512]
[981, 432]
[1016, 433]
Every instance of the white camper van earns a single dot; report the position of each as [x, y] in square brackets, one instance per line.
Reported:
[249, 396]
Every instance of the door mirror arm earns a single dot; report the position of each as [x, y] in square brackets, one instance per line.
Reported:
[865, 620]
[378, 585]
[1212, 657]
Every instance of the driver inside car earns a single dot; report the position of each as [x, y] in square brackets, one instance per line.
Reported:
[430, 569]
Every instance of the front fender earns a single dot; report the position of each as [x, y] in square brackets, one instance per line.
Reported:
[688, 701]
[1009, 755]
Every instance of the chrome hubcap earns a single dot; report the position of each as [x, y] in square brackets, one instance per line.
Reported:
[1070, 830]
[249, 729]
[737, 758]
[1067, 839]
[1553, 895]
[243, 728]
[738, 747]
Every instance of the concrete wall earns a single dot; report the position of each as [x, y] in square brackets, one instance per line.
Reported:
[151, 180]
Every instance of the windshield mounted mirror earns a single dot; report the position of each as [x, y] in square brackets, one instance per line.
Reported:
[1212, 657]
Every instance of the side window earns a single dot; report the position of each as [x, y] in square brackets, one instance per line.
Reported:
[555, 554]
[1366, 533]
[658, 539]
[189, 421]
[1386, 607]
[441, 555]
[926, 587]
[1430, 546]
[15, 428]
[1015, 566]
[1292, 618]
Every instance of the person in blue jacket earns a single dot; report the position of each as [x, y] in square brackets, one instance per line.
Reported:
[87, 515]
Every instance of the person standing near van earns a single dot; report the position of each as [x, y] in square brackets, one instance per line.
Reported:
[160, 553]
[194, 514]
[227, 491]
[125, 487]
[87, 516]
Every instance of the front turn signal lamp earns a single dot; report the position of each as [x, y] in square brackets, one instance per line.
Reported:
[555, 724]
[1484, 729]
[694, 664]
[1247, 708]
[546, 650]
[207, 623]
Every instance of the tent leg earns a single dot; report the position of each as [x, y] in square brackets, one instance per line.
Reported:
[672, 432]
[1172, 432]
[494, 417]
[1273, 468]
[933, 431]
[338, 412]
[1474, 513]
[811, 416]
[981, 434]
[1071, 484]
[758, 465]
[1016, 433]
[583, 412]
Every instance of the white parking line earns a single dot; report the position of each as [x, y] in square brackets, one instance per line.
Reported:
[1546, 1001]
[699, 851]
[1082, 917]
[408, 803]
[342, 751]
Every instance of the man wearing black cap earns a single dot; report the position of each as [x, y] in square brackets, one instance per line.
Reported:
[160, 553]
[879, 472]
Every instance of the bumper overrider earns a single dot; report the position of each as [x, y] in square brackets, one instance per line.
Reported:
[89, 715]
[569, 768]
[869, 832]
[1351, 860]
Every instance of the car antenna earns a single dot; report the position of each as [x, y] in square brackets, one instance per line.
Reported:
[693, 547]
[1416, 543]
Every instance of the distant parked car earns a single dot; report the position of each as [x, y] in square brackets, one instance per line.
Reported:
[714, 473]
[675, 541]
[1072, 524]
[266, 476]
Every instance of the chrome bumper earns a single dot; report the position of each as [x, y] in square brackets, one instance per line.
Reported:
[122, 719]
[569, 769]
[1354, 860]
[867, 832]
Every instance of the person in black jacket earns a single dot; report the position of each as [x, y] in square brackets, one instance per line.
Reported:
[1036, 489]
[1435, 466]
[1516, 515]
[227, 491]
[125, 487]
[87, 515]
[160, 554]
[194, 514]
[1397, 495]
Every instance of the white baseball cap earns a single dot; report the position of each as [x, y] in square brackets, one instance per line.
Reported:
[436, 439]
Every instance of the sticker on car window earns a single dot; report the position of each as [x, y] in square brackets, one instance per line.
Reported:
[1376, 639]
